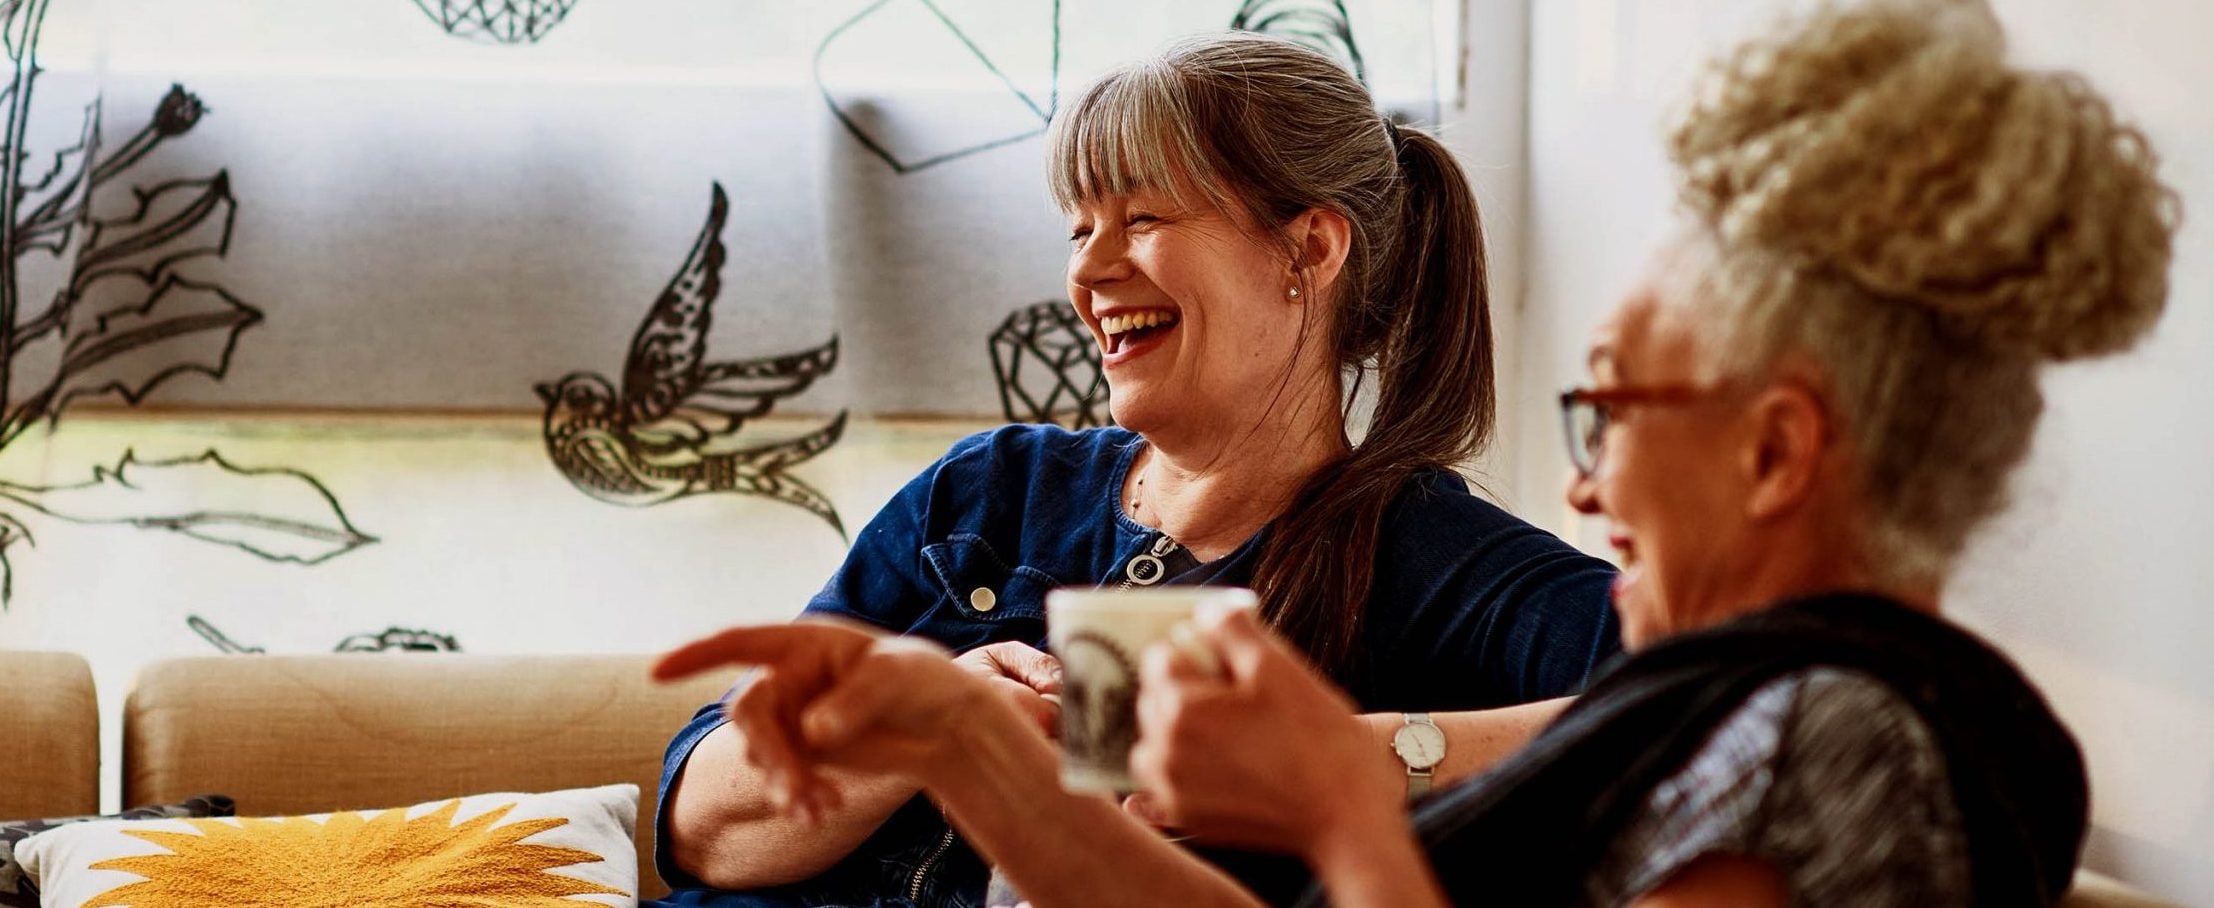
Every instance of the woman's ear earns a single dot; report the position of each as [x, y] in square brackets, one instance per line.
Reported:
[1790, 448]
[1321, 239]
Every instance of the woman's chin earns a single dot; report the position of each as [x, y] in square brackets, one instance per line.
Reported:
[1634, 606]
[1132, 411]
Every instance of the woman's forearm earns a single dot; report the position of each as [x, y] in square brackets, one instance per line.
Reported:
[723, 830]
[1474, 740]
[1002, 789]
[1369, 857]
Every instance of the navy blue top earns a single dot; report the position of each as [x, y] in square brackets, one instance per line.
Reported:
[1473, 608]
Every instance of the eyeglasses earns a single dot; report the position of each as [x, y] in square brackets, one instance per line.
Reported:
[1587, 412]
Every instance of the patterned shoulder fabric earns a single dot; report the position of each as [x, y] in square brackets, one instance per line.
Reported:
[1825, 774]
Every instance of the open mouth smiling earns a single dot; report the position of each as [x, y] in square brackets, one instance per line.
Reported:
[1127, 331]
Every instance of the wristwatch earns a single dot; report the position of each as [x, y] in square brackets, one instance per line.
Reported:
[1421, 745]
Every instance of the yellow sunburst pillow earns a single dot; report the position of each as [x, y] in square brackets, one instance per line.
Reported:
[557, 850]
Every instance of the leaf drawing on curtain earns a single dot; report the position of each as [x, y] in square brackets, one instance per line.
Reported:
[126, 321]
[182, 327]
[1320, 24]
[671, 430]
[273, 513]
[895, 44]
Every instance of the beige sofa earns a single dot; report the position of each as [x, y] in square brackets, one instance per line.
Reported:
[308, 734]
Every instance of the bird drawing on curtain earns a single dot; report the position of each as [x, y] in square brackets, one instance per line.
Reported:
[670, 431]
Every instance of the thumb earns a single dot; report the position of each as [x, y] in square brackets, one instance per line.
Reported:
[1035, 669]
[1237, 635]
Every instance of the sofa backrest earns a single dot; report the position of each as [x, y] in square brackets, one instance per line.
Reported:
[287, 735]
[2092, 890]
[49, 736]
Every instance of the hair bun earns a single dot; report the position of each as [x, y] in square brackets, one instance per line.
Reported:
[1890, 143]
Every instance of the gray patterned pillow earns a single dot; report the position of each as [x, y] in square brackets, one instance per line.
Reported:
[17, 892]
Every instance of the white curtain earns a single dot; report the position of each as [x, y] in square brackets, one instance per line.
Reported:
[443, 202]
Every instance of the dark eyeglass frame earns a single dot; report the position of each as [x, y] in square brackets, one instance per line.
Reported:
[1587, 412]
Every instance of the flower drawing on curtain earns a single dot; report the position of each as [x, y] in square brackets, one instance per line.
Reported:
[392, 639]
[867, 67]
[497, 21]
[125, 320]
[670, 430]
[1320, 24]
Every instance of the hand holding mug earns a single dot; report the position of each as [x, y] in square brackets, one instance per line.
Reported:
[1029, 679]
[1258, 751]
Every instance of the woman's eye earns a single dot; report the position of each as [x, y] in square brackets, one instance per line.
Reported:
[1137, 219]
[1079, 234]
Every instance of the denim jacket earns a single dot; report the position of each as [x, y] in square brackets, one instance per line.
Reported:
[1473, 608]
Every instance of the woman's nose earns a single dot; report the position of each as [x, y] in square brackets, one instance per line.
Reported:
[1583, 492]
[1100, 261]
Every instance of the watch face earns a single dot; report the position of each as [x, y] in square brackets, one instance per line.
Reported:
[1420, 745]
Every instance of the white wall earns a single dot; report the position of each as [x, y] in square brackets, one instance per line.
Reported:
[2099, 581]
[1484, 120]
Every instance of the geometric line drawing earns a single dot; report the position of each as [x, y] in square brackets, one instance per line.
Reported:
[1320, 24]
[907, 156]
[1048, 369]
[497, 21]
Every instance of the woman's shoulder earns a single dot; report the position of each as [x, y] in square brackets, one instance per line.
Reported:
[1439, 524]
[1827, 774]
[1444, 499]
[1022, 480]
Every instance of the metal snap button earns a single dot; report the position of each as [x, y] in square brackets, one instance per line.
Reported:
[983, 599]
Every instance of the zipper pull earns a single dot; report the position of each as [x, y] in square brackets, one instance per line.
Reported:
[1147, 568]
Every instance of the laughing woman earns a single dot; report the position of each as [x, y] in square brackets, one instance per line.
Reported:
[1247, 235]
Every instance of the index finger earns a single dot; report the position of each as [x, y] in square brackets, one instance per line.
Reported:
[772, 644]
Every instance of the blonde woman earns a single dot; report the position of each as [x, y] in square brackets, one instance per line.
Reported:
[1795, 423]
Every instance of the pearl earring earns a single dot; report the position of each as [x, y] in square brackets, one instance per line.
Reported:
[1294, 293]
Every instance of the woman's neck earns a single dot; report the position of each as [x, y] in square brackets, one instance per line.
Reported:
[1213, 491]
[1818, 559]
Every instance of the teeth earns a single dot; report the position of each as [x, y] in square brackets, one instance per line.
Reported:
[1119, 324]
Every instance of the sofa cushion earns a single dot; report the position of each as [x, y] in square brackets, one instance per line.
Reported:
[49, 736]
[291, 735]
[17, 892]
[560, 849]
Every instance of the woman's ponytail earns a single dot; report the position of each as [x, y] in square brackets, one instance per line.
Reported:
[1427, 328]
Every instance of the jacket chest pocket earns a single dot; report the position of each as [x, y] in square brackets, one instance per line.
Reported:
[982, 599]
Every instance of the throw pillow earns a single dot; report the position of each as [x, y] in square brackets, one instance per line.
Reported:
[557, 850]
[17, 892]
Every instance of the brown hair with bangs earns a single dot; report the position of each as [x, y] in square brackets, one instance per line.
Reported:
[1272, 129]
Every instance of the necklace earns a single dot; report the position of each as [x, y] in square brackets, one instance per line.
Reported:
[1137, 501]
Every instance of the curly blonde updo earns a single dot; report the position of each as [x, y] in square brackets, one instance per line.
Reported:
[1880, 190]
